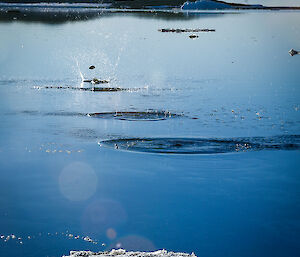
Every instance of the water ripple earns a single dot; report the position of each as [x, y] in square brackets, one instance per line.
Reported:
[204, 145]
[136, 116]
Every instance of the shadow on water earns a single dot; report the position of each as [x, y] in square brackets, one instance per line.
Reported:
[59, 15]
[204, 145]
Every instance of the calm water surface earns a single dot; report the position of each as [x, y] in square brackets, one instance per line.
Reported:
[58, 179]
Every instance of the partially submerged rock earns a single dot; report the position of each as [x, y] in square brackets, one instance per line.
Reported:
[99, 81]
[107, 89]
[124, 253]
[293, 52]
[96, 81]
[193, 36]
[92, 67]
[186, 30]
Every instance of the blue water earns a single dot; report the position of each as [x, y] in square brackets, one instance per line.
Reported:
[237, 84]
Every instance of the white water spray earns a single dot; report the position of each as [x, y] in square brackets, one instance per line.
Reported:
[80, 73]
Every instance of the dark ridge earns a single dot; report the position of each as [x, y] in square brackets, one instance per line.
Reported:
[203, 145]
[137, 4]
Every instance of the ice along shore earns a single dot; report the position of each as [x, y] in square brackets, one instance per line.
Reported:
[124, 253]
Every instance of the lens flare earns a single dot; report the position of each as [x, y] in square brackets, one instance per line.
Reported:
[102, 215]
[134, 243]
[78, 182]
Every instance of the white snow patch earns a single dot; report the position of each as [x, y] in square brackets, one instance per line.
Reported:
[124, 253]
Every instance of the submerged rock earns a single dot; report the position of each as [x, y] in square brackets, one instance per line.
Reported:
[124, 253]
[293, 52]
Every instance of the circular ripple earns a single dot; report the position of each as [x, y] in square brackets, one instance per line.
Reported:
[135, 116]
[204, 145]
[179, 145]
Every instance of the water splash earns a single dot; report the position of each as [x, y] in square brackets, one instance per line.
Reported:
[80, 73]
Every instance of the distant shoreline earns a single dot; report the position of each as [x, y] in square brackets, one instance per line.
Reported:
[140, 4]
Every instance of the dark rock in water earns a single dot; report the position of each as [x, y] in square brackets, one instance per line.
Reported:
[107, 89]
[96, 81]
[99, 81]
[186, 30]
[293, 52]
[193, 36]
[92, 67]
[13, 11]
